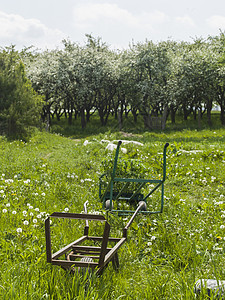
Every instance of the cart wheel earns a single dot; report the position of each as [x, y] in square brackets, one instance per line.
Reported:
[144, 205]
[107, 204]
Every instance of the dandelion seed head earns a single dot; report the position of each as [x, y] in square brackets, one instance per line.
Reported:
[19, 230]
[4, 210]
[25, 222]
[7, 205]
[14, 212]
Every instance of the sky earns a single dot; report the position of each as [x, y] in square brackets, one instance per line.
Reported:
[45, 23]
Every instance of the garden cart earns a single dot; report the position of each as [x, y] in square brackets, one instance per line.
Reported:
[117, 189]
[80, 253]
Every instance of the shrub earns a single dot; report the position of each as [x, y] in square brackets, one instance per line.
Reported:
[19, 104]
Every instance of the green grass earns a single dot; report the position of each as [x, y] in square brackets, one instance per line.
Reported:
[164, 255]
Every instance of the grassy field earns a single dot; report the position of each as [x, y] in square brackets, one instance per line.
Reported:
[165, 253]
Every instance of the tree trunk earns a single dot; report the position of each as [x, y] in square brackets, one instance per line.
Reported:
[222, 114]
[173, 115]
[164, 117]
[209, 109]
[147, 121]
[120, 119]
[82, 116]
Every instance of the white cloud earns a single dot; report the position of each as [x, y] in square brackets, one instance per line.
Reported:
[117, 25]
[14, 29]
[88, 15]
[185, 20]
[217, 22]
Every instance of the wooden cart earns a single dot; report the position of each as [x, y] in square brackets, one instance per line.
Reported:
[77, 254]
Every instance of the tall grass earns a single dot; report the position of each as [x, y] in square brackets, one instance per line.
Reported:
[164, 255]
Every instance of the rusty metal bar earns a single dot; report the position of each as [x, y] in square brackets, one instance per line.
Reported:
[48, 240]
[77, 216]
[104, 244]
[68, 264]
[112, 252]
[81, 256]
[86, 228]
[99, 238]
[132, 218]
[68, 247]
[87, 248]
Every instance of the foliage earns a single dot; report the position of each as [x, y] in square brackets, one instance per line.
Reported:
[19, 104]
[150, 80]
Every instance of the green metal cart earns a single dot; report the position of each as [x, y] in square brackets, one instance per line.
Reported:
[112, 195]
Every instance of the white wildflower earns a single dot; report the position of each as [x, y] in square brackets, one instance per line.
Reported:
[9, 181]
[4, 210]
[27, 181]
[25, 222]
[19, 230]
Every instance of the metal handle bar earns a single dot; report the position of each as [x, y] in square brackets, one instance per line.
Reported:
[141, 205]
